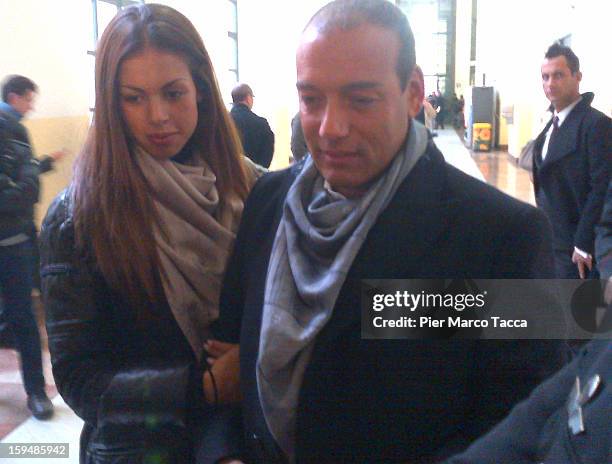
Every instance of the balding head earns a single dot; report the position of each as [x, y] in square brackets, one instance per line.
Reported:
[241, 93]
[349, 14]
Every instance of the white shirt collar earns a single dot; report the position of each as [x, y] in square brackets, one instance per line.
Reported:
[564, 113]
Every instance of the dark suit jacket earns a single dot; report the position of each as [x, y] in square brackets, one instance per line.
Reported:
[604, 238]
[570, 184]
[396, 400]
[255, 133]
[537, 430]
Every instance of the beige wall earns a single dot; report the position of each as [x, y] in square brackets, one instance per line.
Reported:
[50, 134]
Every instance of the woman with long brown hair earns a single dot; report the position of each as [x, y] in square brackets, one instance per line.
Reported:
[134, 251]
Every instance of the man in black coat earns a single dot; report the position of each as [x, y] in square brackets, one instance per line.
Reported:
[19, 189]
[565, 420]
[255, 133]
[18, 96]
[603, 245]
[572, 159]
[375, 200]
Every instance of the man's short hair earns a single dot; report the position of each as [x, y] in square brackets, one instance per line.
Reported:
[18, 85]
[558, 49]
[349, 14]
[241, 92]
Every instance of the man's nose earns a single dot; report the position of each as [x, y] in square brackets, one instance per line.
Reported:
[335, 122]
[158, 111]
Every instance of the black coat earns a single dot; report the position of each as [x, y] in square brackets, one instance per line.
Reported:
[603, 246]
[255, 133]
[396, 400]
[537, 430]
[570, 184]
[19, 185]
[136, 384]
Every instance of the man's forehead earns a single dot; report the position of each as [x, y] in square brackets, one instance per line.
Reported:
[558, 62]
[367, 51]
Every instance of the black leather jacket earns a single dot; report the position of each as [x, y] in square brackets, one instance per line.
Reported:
[19, 186]
[135, 384]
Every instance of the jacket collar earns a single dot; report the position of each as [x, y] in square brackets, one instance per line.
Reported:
[240, 107]
[8, 109]
[566, 140]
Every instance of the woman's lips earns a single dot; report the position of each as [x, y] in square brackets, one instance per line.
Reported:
[162, 139]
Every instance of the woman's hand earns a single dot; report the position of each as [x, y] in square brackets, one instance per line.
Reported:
[216, 349]
[224, 359]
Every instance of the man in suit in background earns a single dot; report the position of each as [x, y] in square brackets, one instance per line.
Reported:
[375, 200]
[573, 155]
[255, 133]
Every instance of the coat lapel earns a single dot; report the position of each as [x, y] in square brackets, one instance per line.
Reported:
[566, 140]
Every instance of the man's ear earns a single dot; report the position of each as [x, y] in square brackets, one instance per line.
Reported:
[579, 75]
[415, 92]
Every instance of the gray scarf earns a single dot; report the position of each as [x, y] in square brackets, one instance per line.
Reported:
[317, 240]
[194, 240]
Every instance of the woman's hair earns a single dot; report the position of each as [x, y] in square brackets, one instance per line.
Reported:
[114, 213]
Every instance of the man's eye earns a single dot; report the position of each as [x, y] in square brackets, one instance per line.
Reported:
[311, 102]
[362, 101]
[309, 99]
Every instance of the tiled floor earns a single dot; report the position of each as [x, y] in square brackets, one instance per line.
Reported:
[16, 423]
[501, 170]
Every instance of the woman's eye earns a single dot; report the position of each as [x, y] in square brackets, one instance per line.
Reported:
[175, 94]
[131, 98]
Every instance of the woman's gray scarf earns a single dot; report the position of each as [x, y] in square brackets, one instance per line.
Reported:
[316, 242]
[194, 239]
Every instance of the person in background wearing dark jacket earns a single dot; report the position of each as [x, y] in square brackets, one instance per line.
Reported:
[565, 420]
[18, 97]
[134, 251]
[603, 243]
[255, 133]
[571, 164]
[19, 189]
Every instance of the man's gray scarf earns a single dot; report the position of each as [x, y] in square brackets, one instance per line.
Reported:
[317, 240]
